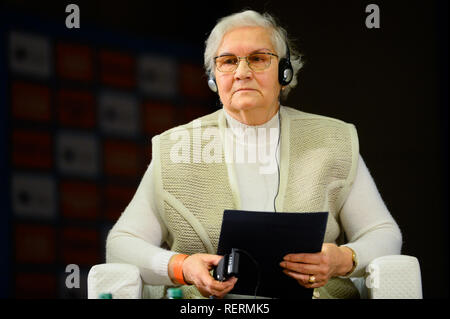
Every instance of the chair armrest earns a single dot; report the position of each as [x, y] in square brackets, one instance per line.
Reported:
[387, 277]
[394, 277]
[123, 281]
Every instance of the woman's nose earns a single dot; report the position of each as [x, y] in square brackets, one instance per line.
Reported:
[243, 71]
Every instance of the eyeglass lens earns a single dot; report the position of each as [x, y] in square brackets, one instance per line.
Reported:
[256, 61]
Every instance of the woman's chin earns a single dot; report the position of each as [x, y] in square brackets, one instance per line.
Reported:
[244, 106]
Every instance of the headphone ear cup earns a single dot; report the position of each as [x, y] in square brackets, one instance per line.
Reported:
[212, 84]
[285, 72]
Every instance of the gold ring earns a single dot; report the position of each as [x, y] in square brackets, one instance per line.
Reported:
[311, 279]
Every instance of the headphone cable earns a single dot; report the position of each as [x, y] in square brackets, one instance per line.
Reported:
[258, 269]
[276, 159]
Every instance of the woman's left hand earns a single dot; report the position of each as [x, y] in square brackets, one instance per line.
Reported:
[330, 262]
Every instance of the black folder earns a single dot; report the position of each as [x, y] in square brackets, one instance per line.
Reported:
[267, 238]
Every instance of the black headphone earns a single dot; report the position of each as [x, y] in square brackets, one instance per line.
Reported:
[285, 72]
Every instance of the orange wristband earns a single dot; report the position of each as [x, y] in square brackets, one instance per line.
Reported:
[177, 267]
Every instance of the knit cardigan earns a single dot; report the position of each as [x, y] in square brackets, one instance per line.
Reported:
[131, 241]
[318, 164]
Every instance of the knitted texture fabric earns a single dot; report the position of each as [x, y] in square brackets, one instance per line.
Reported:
[203, 190]
[318, 165]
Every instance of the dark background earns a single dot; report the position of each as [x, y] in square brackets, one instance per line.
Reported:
[390, 82]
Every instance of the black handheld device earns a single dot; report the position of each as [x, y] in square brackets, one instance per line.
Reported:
[227, 267]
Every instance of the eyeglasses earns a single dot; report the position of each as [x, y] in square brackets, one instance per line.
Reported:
[255, 61]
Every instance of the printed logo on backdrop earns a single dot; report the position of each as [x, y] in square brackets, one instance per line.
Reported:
[34, 196]
[29, 54]
[119, 114]
[157, 76]
[77, 154]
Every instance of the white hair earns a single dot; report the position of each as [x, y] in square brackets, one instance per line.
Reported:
[253, 18]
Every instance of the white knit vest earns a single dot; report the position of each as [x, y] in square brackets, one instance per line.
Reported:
[318, 165]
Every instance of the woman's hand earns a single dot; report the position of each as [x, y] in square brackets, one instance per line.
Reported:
[330, 262]
[196, 269]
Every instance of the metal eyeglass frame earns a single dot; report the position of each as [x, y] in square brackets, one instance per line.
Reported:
[246, 60]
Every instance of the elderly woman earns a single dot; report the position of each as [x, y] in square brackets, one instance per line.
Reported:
[170, 229]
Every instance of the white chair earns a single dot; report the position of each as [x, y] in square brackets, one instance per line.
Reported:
[387, 277]
[123, 281]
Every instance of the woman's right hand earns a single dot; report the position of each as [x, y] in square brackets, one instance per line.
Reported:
[196, 269]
